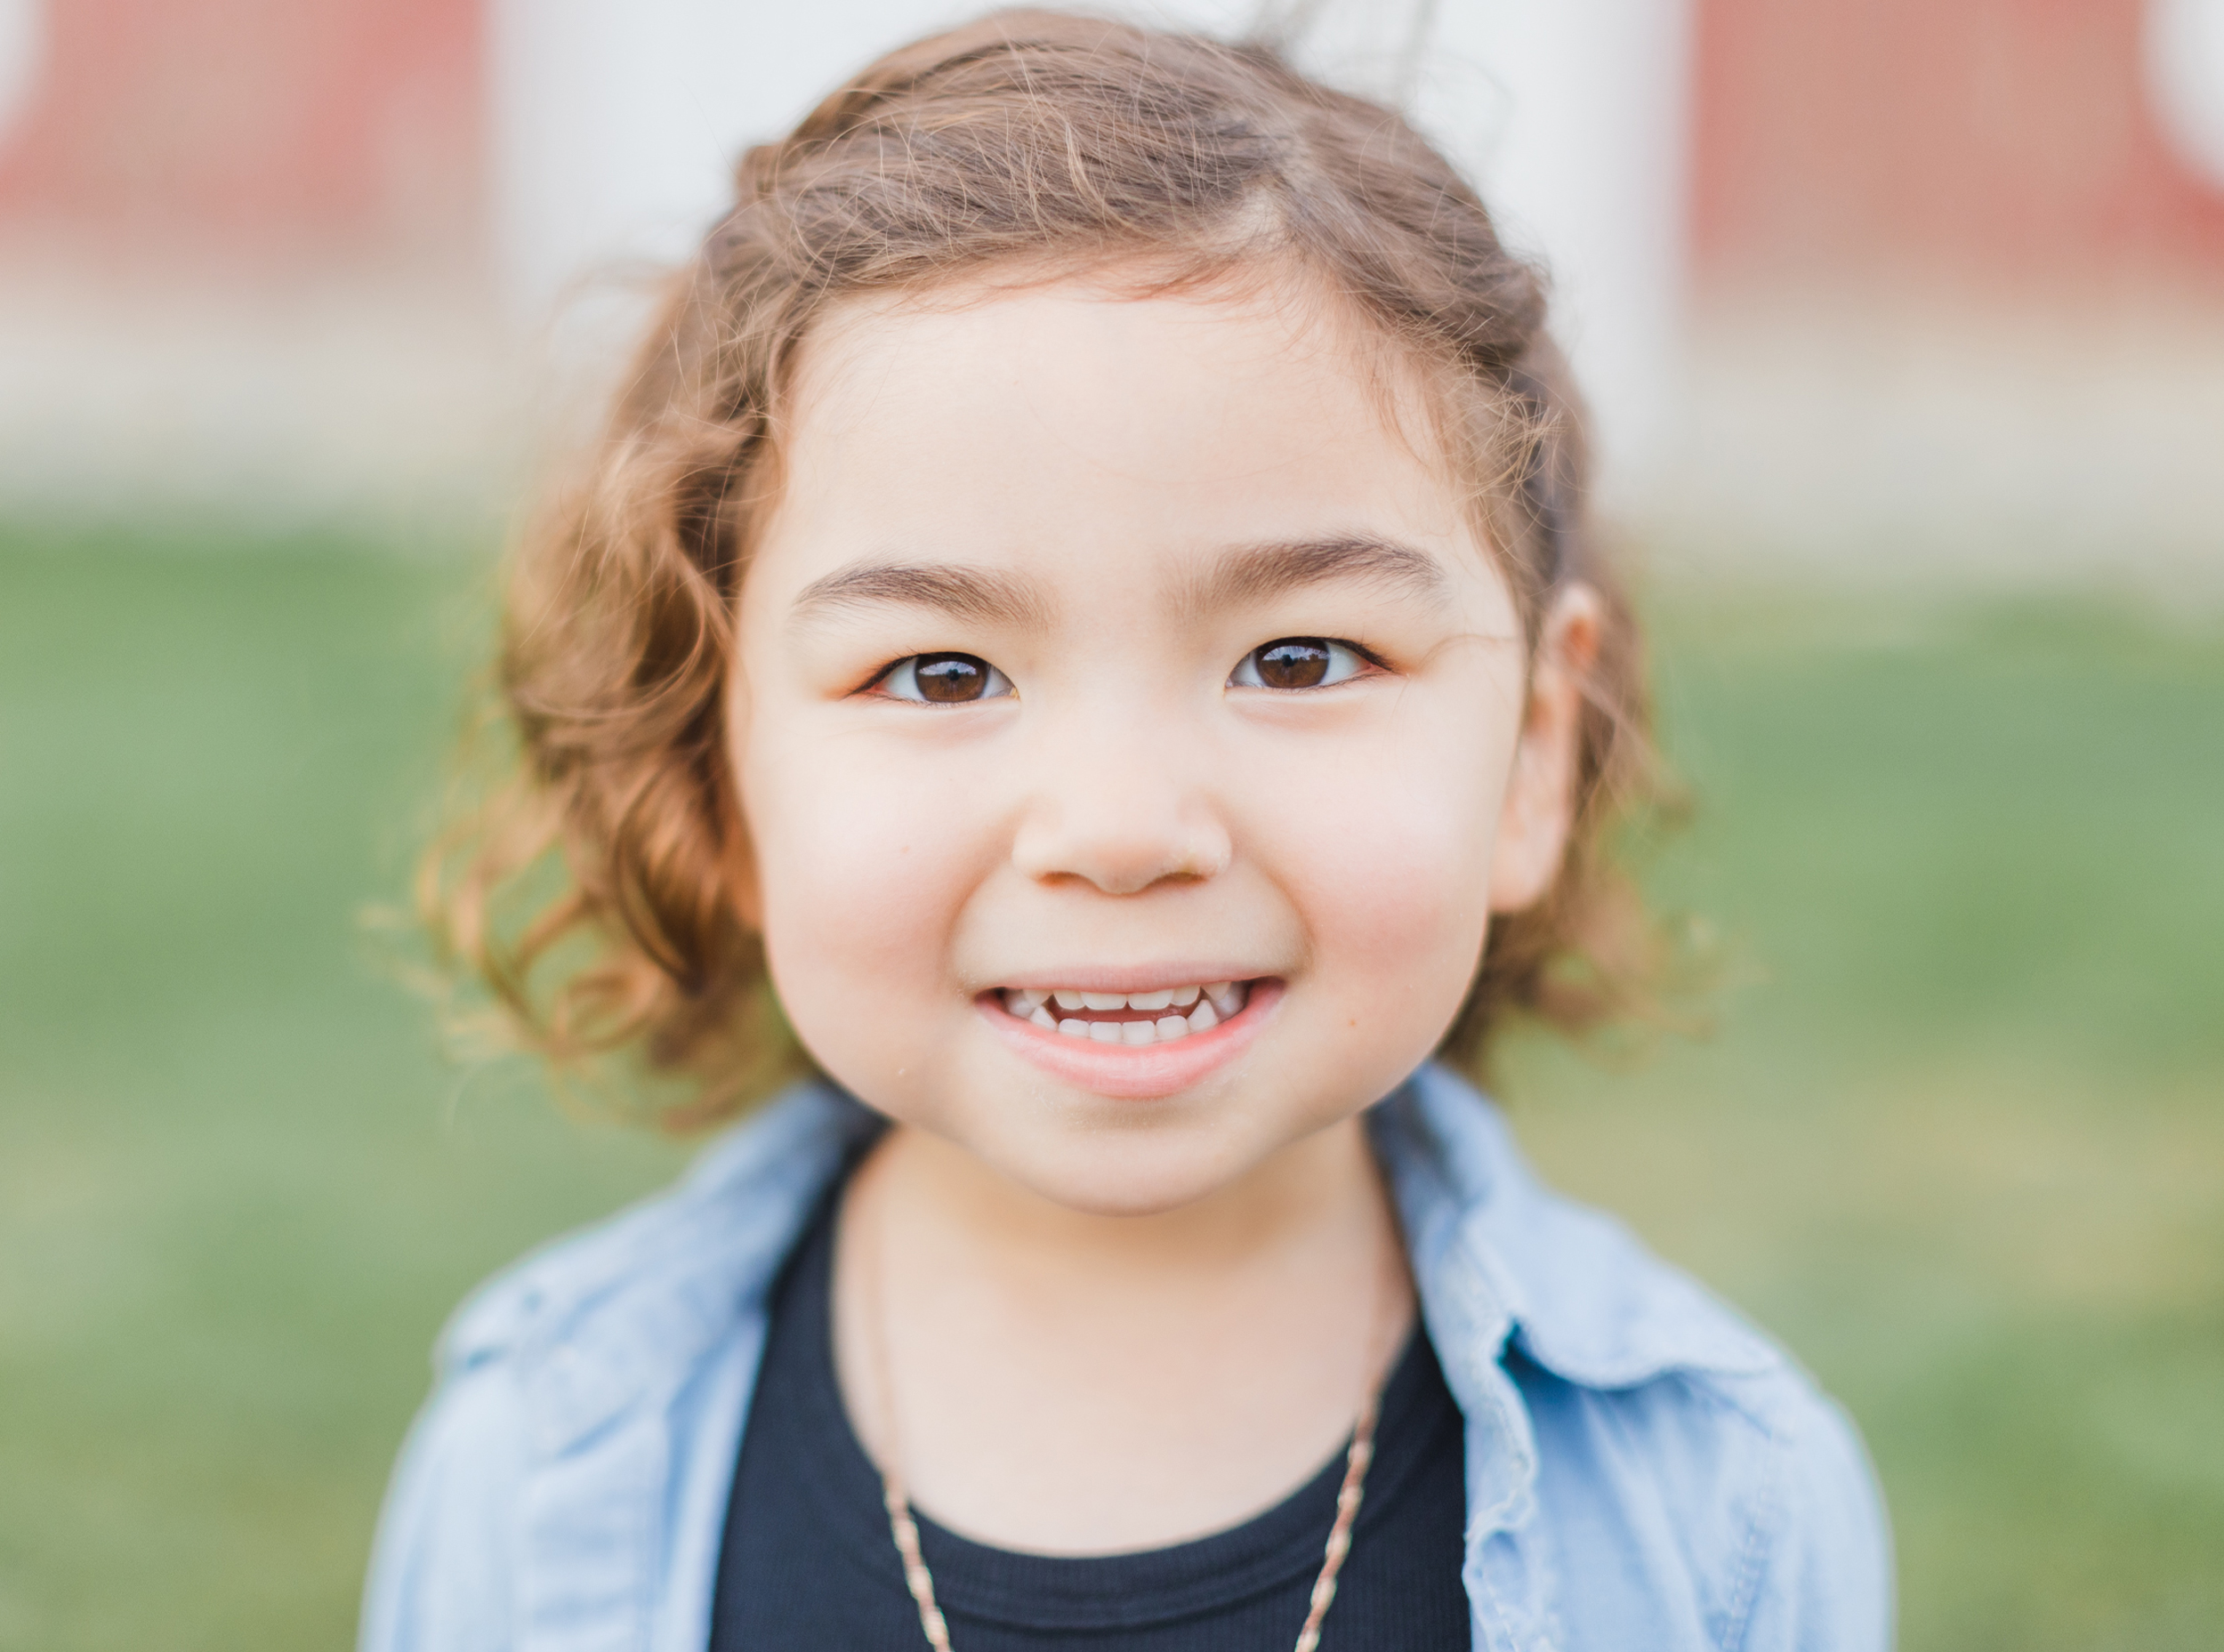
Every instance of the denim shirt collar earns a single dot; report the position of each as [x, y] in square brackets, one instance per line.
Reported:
[636, 1346]
[1496, 1260]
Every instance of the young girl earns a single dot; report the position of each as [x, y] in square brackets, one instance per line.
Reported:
[1084, 600]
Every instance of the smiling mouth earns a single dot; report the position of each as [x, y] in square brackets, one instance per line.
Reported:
[1161, 1017]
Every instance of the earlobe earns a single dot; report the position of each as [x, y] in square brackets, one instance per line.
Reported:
[1540, 802]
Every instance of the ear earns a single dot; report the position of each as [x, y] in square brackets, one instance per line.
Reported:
[1540, 805]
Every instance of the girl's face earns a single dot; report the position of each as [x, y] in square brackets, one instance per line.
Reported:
[1132, 737]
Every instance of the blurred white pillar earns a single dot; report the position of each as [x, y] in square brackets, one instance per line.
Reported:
[2185, 79]
[615, 121]
[1573, 117]
[1586, 165]
[22, 54]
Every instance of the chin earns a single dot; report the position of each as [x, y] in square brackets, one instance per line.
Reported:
[1100, 1161]
[1123, 1190]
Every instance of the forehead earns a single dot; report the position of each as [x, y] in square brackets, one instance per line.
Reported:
[1069, 419]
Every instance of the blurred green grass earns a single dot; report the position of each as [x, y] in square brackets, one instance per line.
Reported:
[1958, 1137]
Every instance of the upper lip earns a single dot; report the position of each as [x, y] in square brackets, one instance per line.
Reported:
[1127, 978]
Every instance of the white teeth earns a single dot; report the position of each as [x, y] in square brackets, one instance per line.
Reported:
[1215, 1002]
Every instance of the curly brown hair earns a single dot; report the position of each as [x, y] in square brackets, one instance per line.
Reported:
[594, 889]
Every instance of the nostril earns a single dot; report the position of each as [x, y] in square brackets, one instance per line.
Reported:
[1120, 845]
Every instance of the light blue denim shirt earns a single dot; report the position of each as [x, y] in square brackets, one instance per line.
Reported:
[1644, 1471]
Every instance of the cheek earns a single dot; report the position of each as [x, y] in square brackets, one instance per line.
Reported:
[865, 861]
[1390, 866]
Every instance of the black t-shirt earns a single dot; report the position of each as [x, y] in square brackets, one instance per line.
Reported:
[808, 1562]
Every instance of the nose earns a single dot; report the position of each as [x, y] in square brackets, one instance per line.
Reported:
[1121, 811]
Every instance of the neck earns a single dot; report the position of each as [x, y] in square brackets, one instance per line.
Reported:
[1066, 1381]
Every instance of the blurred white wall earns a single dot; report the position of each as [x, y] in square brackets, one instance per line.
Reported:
[615, 124]
[2185, 74]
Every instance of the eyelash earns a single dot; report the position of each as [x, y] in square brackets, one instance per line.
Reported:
[1361, 662]
[904, 670]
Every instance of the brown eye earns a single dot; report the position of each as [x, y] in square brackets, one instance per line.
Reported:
[1294, 664]
[1298, 662]
[945, 679]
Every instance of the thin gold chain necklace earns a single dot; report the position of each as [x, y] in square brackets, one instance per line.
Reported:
[904, 1529]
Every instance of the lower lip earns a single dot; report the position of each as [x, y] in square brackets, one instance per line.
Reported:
[1134, 1072]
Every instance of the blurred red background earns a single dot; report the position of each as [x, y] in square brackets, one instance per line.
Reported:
[1960, 144]
[1968, 144]
[1948, 291]
[218, 129]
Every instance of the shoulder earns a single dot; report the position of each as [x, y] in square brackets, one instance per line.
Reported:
[549, 1365]
[1671, 1444]
[1745, 1504]
[648, 1269]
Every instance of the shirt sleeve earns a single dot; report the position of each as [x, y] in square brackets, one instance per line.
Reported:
[1828, 1585]
[444, 1570]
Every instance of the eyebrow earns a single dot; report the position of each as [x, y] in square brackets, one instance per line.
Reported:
[1256, 573]
[1244, 576]
[963, 592]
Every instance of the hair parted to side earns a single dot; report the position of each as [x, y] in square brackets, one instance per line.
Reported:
[594, 889]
